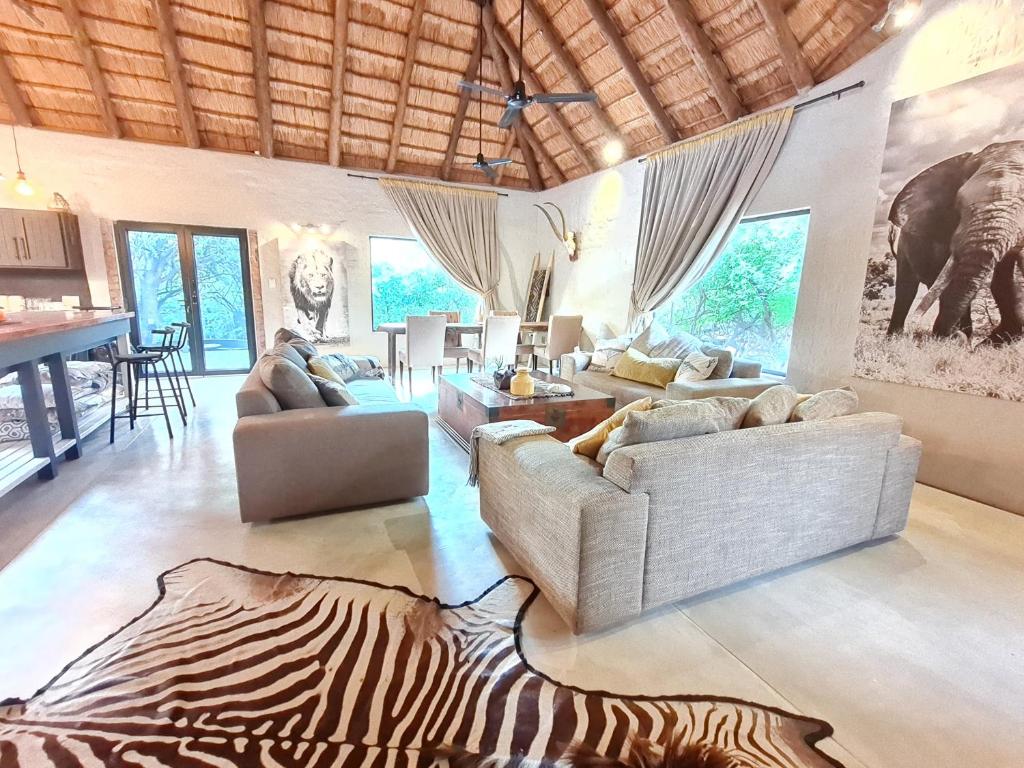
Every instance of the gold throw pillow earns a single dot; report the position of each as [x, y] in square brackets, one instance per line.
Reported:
[589, 443]
[636, 366]
[319, 367]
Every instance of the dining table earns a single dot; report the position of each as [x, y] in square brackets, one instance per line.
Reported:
[394, 330]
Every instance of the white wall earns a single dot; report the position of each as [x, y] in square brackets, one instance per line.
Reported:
[106, 179]
[831, 163]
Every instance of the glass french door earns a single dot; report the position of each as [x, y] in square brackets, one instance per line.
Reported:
[197, 275]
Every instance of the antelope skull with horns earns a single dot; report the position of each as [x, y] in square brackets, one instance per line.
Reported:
[566, 235]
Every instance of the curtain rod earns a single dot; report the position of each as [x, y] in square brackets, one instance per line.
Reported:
[837, 94]
[377, 178]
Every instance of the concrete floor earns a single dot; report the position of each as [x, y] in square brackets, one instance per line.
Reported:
[913, 648]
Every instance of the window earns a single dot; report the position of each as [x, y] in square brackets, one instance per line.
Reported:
[748, 298]
[405, 280]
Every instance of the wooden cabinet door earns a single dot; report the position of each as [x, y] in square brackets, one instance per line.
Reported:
[43, 240]
[11, 232]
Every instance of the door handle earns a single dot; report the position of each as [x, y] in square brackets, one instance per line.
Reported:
[24, 245]
[17, 249]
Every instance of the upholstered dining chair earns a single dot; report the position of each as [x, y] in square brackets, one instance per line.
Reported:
[453, 346]
[564, 333]
[502, 313]
[424, 345]
[500, 340]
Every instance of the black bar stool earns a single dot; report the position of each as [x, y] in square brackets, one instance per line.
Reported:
[137, 365]
[165, 349]
[176, 360]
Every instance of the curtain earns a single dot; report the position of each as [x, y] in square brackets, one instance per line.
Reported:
[695, 194]
[458, 227]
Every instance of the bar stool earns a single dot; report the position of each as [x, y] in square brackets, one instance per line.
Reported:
[137, 365]
[165, 350]
[176, 360]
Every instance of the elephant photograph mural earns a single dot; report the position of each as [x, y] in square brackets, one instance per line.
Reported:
[943, 303]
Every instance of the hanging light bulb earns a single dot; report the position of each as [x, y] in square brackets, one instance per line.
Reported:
[21, 186]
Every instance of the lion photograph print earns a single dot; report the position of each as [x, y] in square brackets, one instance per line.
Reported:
[943, 303]
[315, 292]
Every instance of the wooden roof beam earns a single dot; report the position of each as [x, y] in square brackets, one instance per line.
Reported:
[614, 39]
[793, 60]
[175, 71]
[92, 67]
[871, 17]
[539, 150]
[571, 69]
[705, 59]
[403, 86]
[505, 150]
[505, 77]
[534, 86]
[261, 74]
[12, 96]
[337, 81]
[465, 97]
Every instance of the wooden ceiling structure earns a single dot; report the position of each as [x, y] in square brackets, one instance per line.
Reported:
[372, 84]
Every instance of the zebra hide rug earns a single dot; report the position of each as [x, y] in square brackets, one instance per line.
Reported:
[236, 667]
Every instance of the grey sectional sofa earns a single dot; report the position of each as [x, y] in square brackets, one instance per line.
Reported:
[322, 459]
[667, 520]
[746, 381]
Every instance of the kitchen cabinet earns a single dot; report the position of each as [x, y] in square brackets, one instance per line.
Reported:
[38, 239]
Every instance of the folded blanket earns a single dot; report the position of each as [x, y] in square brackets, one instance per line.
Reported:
[498, 433]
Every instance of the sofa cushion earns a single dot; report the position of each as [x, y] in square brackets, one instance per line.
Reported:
[318, 366]
[636, 366]
[334, 392]
[773, 406]
[289, 353]
[658, 341]
[696, 366]
[289, 383]
[589, 443]
[372, 391]
[623, 390]
[607, 352]
[726, 358]
[733, 409]
[686, 419]
[305, 348]
[284, 335]
[826, 405]
[613, 442]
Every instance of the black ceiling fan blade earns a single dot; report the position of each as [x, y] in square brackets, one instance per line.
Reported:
[486, 168]
[468, 86]
[563, 98]
[500, 161]
[509, 117]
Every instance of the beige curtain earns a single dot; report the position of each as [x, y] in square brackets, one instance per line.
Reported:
[695, 194]
[458, 227]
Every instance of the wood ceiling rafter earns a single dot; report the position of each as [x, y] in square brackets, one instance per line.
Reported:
[505, 78]
[261, 77]
[554, 114]
[506, 151]
[87, 55]
[789, 49]
[403, 86]
[339, 52]
[572, 71]
[706, 59]
[872, 15]
[629, 64]
[12, 96]
[164, 22]
[465, 98]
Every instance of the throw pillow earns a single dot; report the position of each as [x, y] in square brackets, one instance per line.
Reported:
[289, 383]
[683, 419]
[773, 406]
[732, 409]
[343, 365]
[334, 392]
[607, 352]
[696, 366]
[369, 367]
[284, 335]
[289, 353]
[636, 366]
[589, 443]
[726, 358]
[317, 366]
[305, 349]
[657, 341]
[826, 405]
[614, 441]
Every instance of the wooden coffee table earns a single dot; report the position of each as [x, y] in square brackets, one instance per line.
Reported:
[463, 404]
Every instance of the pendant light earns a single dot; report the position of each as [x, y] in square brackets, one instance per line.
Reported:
[21, 186]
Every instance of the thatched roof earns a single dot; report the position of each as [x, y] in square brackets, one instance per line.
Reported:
[372, 84]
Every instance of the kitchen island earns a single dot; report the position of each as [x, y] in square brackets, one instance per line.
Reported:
[31, 339]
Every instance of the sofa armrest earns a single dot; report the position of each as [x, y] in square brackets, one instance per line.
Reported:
[579, 536]
[319, 459]
[897, 487]
[572, 363]
[745, 369]
[692, 390]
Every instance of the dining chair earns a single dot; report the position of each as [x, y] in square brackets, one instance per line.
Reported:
[453, 346]
[424, 345]
[564, 333]
[502, 313]
[500, 340]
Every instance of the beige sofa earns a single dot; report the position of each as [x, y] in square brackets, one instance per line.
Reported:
[745, 381]
[667, 520]
[321, 459]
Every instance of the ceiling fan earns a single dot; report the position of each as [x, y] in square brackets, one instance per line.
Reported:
[482, 163]
[519, 100]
